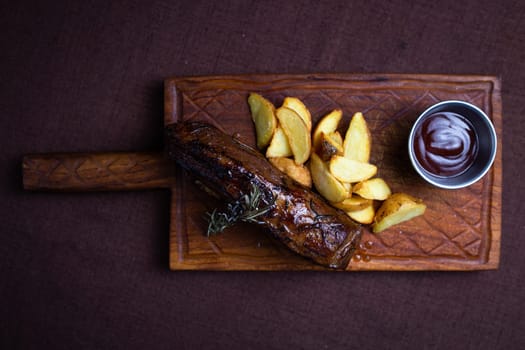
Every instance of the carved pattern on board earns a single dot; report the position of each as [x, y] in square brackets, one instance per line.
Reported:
[91, 171]
[456, 224]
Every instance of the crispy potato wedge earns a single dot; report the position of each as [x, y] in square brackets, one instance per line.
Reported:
[298, 106]
[375, 188]
[399, 207]
[364, 216]
[349, 170]
[328, 147]
[299, 173]
[327, 125]
[337, 138]
[263, 116]
[353, 203]
[325, 183]
[297, 133]
[347, 186]
[357, 143]
[279, 146]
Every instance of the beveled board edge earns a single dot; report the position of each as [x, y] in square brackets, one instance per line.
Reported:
[497, 187]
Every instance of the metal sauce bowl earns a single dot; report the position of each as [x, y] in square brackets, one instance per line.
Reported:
[486, 142]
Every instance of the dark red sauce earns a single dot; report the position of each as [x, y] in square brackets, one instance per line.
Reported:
[445, 144]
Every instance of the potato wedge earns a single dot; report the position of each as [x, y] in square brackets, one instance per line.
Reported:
[375, 188]
[325, 183]
[328, 147]
[399, 207]
[298, 106]
[357, 143]
[299, 173]
[337, 138]
[297, 133]
[263, 116]
[349, 170]
[327, 124]
[364, 216]
[279, 146]
[353, 203]
[347, 186]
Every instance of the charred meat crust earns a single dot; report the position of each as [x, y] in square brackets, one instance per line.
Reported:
[299, 218]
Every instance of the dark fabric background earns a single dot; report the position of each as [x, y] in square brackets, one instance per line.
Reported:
[90, 271]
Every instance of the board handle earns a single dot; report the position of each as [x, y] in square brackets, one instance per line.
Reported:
[97, 171]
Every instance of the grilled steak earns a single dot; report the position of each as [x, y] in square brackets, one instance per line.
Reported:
[299, 218]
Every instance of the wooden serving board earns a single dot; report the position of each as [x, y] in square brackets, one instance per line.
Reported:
[460, 230]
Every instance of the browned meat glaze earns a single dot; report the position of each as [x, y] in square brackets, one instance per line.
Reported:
[299, 218]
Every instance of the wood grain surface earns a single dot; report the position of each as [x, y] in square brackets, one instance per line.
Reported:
[460, 230]
[97, 171]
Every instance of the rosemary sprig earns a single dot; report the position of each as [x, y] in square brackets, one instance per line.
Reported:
[246, 208]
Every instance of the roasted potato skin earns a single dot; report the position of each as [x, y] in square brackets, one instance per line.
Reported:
[358, 140]
[298, 106]
[299, 173]
[297, 133]
[328, 147]
[364, 215]
[355, 202]
[279, 145]
[349, 170]
[325, 183]
[263, 116]
[397, 208]
[376, 189]
[328, 124]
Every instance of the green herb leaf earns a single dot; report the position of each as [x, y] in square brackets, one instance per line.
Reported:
[246, 208]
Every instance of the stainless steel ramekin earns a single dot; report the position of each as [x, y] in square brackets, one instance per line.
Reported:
[486, 139]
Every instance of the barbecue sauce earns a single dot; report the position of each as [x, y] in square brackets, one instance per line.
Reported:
[445, 144]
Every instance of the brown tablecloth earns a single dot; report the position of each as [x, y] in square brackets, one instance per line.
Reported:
[90, 271]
